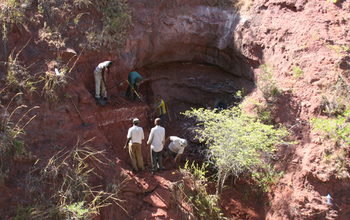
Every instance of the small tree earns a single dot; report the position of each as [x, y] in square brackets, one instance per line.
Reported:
[236, 140]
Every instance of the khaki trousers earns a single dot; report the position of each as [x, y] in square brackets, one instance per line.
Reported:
[100, 87]
[136, 157]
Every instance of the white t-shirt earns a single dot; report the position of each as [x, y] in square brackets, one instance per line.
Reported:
[101, 66]
[136, 134]
[175, 146]
[157, 138]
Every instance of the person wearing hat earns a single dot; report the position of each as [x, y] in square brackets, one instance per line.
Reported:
[156, 140]
[134, 80]
[101, 81]
[134, 140]
[175, 149]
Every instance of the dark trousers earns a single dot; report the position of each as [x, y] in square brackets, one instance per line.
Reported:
[162, 119]
[156, 159]
[129, 92]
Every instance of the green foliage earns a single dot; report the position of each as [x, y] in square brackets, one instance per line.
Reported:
[235, 140]
[298, 72]
[204, 205]
[53, 85]
[18, 75]
[11, 142]
[116, 20]
[335, 98]
[267, 84]
[77, 18]
[263, 112]
[266, 176]
[336, 130]
[339, 49]
[11, 12]
[61, 188]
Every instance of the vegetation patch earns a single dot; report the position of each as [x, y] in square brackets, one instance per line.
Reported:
[61, 188]
[237, 142]
[337, 131]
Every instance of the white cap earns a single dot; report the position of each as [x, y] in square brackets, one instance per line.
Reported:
[183, 142]
[135, 120]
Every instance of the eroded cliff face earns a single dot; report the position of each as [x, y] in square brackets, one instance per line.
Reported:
[186, 33]
[195, 54]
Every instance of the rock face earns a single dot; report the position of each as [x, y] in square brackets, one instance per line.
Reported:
[186, 33]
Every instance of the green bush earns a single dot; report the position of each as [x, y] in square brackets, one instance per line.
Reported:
[204, 205]
[235, 140]
[268, 84]
[335, 98]
[116, 20]
[336, 130]
[266, 176]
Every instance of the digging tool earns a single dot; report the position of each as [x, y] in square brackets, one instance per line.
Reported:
[135, 91]
[172, 108]
[166, 105]
[148, 150]
[76, 108]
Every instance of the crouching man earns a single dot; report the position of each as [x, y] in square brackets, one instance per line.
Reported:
[175, 149]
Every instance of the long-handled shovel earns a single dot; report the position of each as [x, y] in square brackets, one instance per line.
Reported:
[133, 89]
[76, 108]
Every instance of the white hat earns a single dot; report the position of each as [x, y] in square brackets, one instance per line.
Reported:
[135, 120]
[183, 142]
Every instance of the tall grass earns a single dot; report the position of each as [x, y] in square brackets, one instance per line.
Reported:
[11, 138]
[61, 188]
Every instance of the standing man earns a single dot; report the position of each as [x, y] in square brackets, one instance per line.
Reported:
[161, 109]
[134, 80]
[134, 140]
[101, 81]
[175, 149]
[156, 139]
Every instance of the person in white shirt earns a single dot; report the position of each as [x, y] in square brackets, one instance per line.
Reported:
[101, 81]
[134, 141]
[156, 140]
[175, 149]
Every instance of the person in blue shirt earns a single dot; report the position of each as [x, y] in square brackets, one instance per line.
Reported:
[134, 80]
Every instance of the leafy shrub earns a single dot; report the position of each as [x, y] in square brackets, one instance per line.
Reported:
[116, 20]
[267, 84]
[235, 140]
[204, 205]
[266, 176]
[263, 111]
[336, 130]
[335, 98]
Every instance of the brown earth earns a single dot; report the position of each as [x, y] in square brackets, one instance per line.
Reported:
[195, 54]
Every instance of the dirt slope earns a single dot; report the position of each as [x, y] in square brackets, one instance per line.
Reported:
[196, 54]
